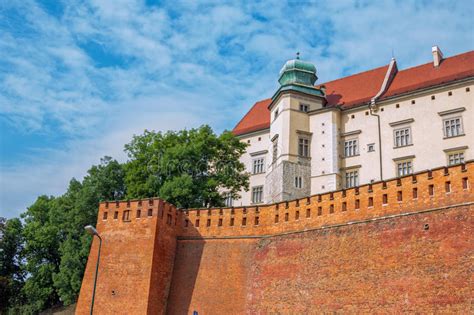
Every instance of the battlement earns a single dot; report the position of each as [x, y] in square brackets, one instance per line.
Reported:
[428, 190]
[159, 259]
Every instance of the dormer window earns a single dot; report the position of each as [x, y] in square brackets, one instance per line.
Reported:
[304, 108]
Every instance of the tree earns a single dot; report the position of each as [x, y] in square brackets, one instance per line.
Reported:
[57, 248]
[11, 274]
[189, 168]
[42, 239]
[76, 209]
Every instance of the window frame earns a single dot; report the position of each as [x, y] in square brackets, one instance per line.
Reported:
[304, 107]
[351, 181]
[304, 147]
[410, 137]
[460, 158]
[459, 132]
[348, 148]
[258, 168]
[409, 168]
[257, 191]
[228, 200]
[298, 182]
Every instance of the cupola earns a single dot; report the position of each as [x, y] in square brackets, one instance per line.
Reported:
[298, 76]
[297, 71]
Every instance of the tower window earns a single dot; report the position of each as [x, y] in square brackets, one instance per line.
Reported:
[275, 151]
[298, 182]
[304, 108]
[303, 147]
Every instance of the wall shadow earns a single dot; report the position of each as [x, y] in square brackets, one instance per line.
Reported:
[186, 267]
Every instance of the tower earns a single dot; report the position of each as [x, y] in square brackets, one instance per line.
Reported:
[289, 171]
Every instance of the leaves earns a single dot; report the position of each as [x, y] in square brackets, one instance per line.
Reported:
[190, 168]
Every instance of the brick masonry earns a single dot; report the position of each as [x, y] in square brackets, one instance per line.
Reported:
[398, 246]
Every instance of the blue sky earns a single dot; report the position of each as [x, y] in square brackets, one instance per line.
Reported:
[79, 78]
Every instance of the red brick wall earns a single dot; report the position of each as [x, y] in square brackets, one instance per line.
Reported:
[136, 259]
[371, 258]
[389, 265]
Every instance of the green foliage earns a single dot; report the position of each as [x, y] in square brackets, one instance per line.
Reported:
[42, 261]
[11, 274]
[56, 246]
[76, 209]
[186, 168]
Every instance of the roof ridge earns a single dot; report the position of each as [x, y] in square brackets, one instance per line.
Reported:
[431, 62]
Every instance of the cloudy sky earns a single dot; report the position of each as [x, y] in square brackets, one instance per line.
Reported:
[79, 78]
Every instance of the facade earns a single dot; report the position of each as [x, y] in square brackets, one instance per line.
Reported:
[372, 126]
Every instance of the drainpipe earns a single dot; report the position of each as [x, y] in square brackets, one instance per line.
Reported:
[391, 71]
[372, 105]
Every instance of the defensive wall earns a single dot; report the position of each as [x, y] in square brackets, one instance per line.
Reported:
[399, 245]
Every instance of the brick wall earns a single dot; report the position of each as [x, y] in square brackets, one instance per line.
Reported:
[136, 260]
[399, 245]
[365, 202]
[391, 265]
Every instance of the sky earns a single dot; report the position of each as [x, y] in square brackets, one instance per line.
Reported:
[79, 78]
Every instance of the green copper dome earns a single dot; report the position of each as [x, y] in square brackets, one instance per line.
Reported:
[297, 71]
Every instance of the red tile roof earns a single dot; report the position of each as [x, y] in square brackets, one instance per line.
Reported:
[355, 89]
[358, 89]
[423, 76]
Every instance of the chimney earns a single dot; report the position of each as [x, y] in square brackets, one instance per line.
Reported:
[437, 56]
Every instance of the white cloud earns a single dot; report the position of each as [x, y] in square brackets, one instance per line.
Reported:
[180, 64]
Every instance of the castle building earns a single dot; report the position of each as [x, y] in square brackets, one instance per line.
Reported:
[371, 126]
[361, 201]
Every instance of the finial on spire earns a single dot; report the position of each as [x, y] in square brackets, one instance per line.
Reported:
[298, 55]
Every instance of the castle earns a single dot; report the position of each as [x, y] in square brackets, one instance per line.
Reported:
[361, 201]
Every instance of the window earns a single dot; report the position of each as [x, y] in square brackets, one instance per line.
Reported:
[350, 147]
[402, 137]
[455, 158]
[452, 127]
[404, 168]
[352, 179]
[257, 194]
[228, 201]
[258, 166]
[104, 216]
[304, 108]
[298, 182]
[276, 113]
[303, 147]
[371, 147]
[275, 150]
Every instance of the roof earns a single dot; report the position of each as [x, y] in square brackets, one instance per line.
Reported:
[424, 76]
[358, 89]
